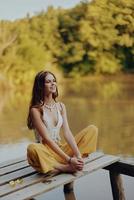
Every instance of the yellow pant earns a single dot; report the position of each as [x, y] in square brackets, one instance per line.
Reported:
[42, 158]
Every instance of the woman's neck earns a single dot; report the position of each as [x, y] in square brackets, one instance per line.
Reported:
[49, 100]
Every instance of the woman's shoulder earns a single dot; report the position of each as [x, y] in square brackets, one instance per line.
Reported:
[36, 109]
[61, 106]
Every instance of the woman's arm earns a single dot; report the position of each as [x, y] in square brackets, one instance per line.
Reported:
[42, 130]
[68, 134]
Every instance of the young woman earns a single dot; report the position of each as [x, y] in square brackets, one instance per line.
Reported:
[47, 116]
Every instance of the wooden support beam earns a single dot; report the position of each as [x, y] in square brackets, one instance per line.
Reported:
[68, 187]
[121, 168]
[117, 186]
[70, 196]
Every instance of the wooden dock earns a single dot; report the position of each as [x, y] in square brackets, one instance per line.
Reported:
[19, 181]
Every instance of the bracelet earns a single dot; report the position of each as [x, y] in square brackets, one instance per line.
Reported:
[69, 161]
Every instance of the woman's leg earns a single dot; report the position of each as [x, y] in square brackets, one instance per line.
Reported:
[86, 140]
[40, 157]
[43, 160]
[87, 143]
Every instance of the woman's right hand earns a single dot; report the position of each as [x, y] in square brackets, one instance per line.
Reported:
[77, 163]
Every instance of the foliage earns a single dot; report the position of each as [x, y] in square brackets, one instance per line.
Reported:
[96, 37]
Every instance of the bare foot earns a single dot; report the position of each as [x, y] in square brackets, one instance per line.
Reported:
[55, 171]
[65, 168]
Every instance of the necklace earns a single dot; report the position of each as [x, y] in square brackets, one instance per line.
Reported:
[50, 107]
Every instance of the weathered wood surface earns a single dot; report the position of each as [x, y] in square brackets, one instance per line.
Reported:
[14, 167]
[12, 162]
[31, 176]
[34, 183]
[17, 174]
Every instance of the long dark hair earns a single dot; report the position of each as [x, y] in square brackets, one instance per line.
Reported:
[38, 94]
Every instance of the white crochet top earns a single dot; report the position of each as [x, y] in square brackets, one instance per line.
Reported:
[54, 131]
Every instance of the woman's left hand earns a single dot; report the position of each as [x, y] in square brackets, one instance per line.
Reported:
[78, 163]
[81, 161]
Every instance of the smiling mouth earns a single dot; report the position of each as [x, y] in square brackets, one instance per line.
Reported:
[53, 88]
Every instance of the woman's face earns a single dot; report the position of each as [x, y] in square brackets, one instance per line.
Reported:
[50, 84]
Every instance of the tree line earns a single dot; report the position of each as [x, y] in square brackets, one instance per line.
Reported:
[95, 37]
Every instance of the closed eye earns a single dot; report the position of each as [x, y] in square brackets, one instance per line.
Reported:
[49, 81]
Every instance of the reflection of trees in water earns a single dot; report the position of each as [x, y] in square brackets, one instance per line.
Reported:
[116, 127]
[77, 113]
[94, 89]
[13, 98]
[13, 116]
[108, 105]
[113, 120]
[110, 90]
[3, 101]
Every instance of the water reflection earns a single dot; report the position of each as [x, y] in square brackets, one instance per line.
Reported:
[109, 104]
[110, 90]
[11, 151]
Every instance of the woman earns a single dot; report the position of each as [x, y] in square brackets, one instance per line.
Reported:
[47, 116]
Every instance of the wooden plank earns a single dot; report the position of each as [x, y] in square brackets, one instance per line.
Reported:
[101, 163]
[29, 180]
[14, 167]
[17, 174]
[62, 179]
[40, 177]
[93, 156]
[12, 162]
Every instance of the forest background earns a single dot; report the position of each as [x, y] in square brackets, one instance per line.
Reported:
[90, 38]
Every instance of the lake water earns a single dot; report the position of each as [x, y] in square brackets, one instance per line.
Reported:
[106, 102]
